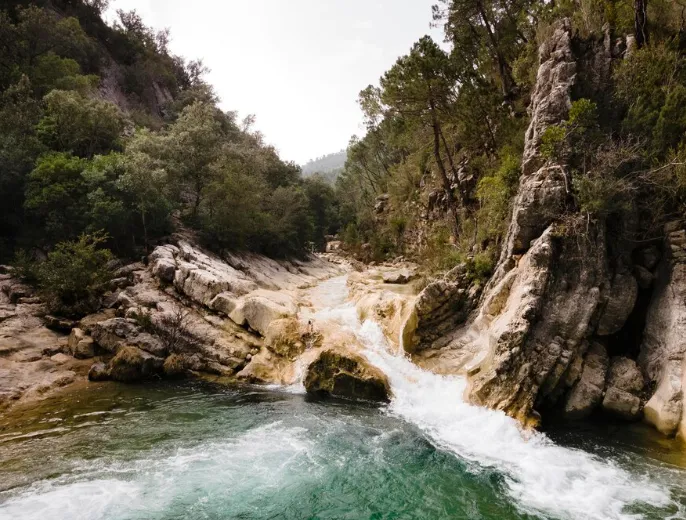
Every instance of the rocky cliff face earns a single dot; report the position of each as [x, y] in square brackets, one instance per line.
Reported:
[547, 330]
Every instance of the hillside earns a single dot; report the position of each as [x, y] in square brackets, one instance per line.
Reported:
[328, 166]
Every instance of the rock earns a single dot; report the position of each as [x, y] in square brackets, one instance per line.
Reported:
[60, 358]
[224, 302]
[625, 375]
[113, 334]
[644, 277]
[59, 324]
[16, 290]
[622, 404]
[648, 257]
[80, 346]
[663, 351]
[401, 276]
[621, 300]
[132, 364]
[87, 323]
[164, 269]
[120, 283]
[284, 338]
[99, 372]
[262, 307]
[587, 393]
[345, 374]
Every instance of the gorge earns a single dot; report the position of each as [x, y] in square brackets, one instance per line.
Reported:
[483, 318]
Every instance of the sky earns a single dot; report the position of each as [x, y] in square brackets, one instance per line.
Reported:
[298, 65]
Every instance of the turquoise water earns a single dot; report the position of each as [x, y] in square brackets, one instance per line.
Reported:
[203, 452]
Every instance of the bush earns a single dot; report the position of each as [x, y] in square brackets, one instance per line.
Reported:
[75, 275]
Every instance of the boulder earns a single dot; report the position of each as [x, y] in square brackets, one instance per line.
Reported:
[341, 373]
[80, 346]
[621, 300]
[644, 277]
[400, 276]
[225, 303]
[587, 393]
[622, 404]
[649, 257]
[260, 308]
[625, 375]
[284, 338]
[87, 323]
[113, 334]
[664, 409]
[132, 364]
[99, 372]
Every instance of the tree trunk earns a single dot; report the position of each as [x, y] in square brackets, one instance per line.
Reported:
[444, 175]
[641, 22]
[504, 70]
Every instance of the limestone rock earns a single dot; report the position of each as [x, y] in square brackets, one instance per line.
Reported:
[99, 372]
[345, 374]
[663, 352]
[132, 364]
[260, 308]
[59, 324]
[285, 338]
[622, 404]
[621, 300]
[115, 333]
[587, 393]
[644, 277]
[399, 276]
[625, 375]
[80, 346]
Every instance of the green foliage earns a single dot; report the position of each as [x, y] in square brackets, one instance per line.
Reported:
[79, 125]
[75, 275]
[54, 195]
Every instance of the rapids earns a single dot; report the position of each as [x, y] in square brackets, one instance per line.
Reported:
[196, 450]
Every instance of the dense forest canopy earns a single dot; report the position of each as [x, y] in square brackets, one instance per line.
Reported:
[103, 131]
[436, 172]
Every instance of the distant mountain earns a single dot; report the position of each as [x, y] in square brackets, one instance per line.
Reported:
[329, 166]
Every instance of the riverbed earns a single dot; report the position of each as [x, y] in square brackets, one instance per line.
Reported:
[198, 450]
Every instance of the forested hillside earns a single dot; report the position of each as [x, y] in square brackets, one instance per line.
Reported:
[104, 132]
[328, 167]
[437, 170]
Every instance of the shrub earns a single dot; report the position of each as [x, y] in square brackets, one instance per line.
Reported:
[75, 275]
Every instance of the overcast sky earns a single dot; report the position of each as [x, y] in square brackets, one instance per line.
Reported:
[298, 65]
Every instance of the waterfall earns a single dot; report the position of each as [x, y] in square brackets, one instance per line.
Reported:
[540, 476]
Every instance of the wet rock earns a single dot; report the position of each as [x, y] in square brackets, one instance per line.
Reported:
[587, 393]
[99, 372]
[346, 374]
[132, 364]
[285, 338]
[80, 346]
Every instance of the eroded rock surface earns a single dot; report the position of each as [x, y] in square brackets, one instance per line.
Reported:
[342, 373]
[663, 352]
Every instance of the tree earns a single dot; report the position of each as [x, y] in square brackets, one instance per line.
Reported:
[421, 86]
[82, 126]
[641, 22]
[192, 144]
[55, 196]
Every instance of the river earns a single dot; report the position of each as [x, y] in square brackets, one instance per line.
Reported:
[202, 451]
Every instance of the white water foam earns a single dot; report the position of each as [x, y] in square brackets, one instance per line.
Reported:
[540, 476]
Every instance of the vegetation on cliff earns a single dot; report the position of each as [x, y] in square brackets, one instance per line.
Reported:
[438, 168]
[104, 130]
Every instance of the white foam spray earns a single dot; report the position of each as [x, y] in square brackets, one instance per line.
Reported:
[540, 476]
